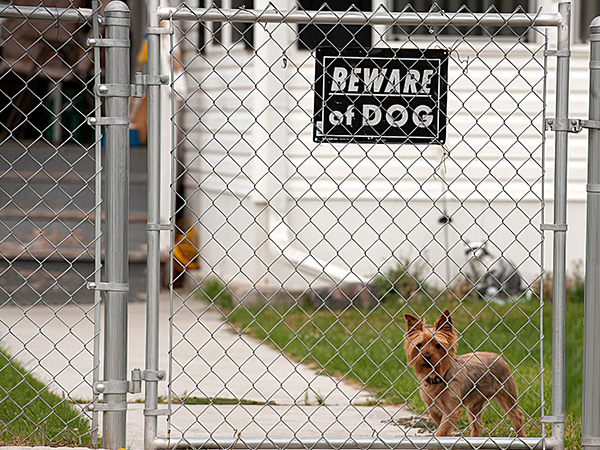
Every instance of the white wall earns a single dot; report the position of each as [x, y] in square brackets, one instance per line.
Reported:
[275, 208]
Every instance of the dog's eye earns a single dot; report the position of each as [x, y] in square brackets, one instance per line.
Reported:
[419, 346]
[438, 346]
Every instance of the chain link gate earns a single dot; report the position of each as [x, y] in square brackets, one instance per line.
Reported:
[301, 270]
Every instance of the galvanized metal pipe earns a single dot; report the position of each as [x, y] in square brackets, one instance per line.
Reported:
[153, 222]
[560, 233]
[97, 219]
[355, 443]
[117, 225]
[360, 18]
[79, 15]
[590, 424]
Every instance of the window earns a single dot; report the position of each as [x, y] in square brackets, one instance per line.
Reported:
[228, 34]
[242, 32]
[311, 36]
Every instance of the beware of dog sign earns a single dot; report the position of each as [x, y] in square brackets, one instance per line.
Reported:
[381, 95]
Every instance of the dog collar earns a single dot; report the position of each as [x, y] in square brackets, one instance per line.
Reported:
[436, 380]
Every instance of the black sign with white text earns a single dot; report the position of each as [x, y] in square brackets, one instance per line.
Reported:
[381, 95]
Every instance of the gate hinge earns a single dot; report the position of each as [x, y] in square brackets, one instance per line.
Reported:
[133, 386]
[160, 30]
[104, 121]
[565, 53]
[590, 441]
[571, 125]
[142, 80]
[152, 375]
[113, 287]
[120, 90]
[109, 42]
[159, 227]
[156, 412]
[554, 227]
[553, 419]
[102, 407]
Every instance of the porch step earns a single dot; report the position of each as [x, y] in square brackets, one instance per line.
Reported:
[47, 231]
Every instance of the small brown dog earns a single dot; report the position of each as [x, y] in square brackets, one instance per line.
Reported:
[451, 382]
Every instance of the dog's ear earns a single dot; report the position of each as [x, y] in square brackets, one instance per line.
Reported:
[444, 323]
[413, 323]
[444, 332]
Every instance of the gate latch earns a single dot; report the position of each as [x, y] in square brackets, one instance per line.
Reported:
[141, 80]
[571, 125]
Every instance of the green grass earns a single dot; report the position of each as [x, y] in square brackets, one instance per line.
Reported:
[31, 415]
[365, 347]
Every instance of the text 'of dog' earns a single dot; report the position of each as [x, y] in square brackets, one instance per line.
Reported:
[364, 80]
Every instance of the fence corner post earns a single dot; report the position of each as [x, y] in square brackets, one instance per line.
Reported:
[590, 421]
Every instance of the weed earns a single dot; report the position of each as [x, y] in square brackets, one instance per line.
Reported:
[213, 291]
[398, 284]
[574, 285]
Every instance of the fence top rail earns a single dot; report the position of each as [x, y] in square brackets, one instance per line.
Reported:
[79, 15]
[378, 17]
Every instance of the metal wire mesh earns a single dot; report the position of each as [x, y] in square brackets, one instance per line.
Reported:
[49, 241]
[295, 261]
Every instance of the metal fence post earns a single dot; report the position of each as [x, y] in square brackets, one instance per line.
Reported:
[590, 426]
[153, 225]
[563, 54]
[117, 90]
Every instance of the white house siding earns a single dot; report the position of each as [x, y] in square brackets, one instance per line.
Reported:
[276, 209]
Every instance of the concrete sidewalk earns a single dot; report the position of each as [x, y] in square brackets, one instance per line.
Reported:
[210, 360]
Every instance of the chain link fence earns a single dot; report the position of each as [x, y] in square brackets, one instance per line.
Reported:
[307, 254]
[329, 288]
[49, 232]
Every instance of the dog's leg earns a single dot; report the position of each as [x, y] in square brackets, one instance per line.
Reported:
[449, 421]
[507, 399]
[432, 409]
[474, 413]
[436, 415]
